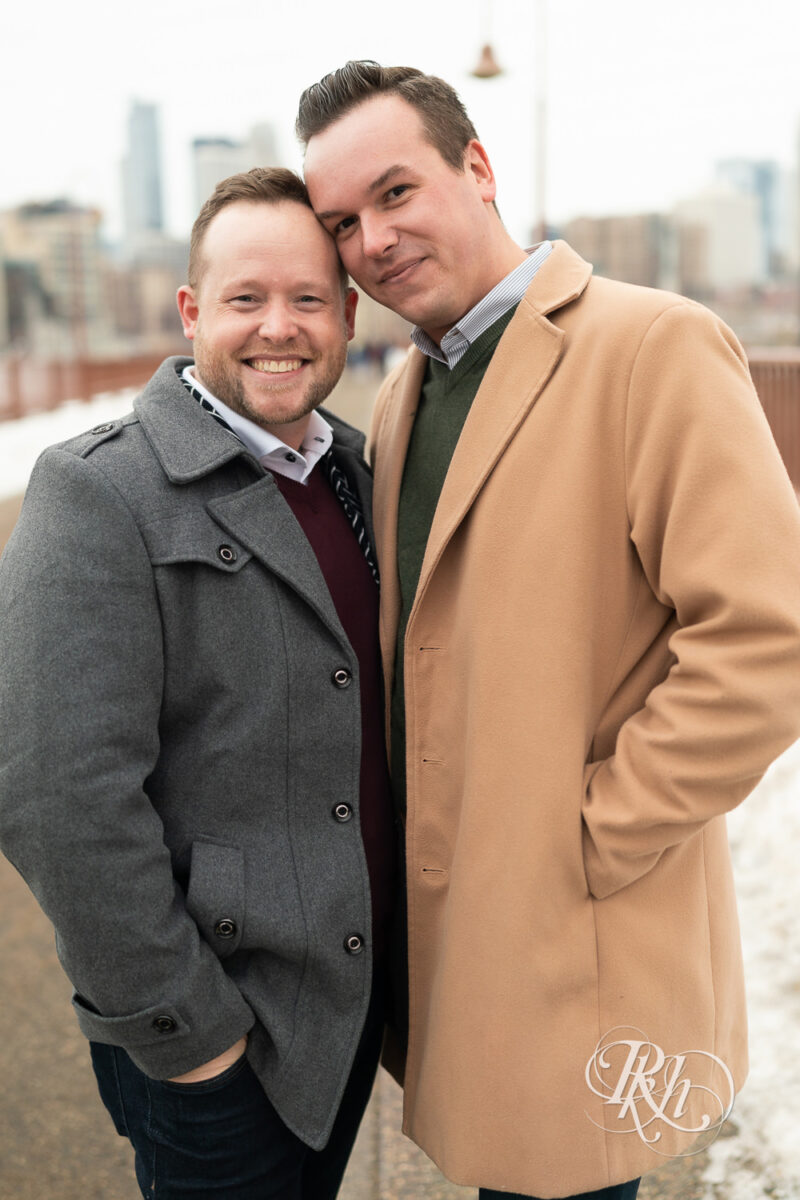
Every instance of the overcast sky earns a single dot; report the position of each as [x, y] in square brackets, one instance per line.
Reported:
[643, 98]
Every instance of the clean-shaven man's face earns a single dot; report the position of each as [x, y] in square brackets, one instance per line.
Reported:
[413, 232]
[268, 316]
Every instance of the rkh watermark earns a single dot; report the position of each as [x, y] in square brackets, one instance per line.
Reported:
[646, 1089]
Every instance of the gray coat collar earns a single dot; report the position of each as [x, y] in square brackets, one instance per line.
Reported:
[189, 443]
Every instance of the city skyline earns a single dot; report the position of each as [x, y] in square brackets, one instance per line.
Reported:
[642, 104]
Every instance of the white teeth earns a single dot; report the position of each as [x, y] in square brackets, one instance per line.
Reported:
[272, 366]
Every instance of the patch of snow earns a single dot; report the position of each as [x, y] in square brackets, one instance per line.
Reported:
[23, 440]
[762, 1161]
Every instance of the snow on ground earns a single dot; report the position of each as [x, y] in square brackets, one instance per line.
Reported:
[762, 1162]
[22, 441]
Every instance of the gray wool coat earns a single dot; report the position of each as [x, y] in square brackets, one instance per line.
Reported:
[173, 746]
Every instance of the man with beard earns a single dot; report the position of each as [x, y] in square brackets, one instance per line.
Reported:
[192, 774]
[590, 558]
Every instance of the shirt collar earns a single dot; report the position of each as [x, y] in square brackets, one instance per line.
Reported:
[503, 296]
[270, 450]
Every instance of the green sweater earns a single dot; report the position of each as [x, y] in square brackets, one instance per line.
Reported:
[444, 403]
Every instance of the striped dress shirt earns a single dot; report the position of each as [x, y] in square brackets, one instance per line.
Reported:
[508, 292]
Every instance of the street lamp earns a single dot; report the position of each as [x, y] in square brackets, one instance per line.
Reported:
[489, 68]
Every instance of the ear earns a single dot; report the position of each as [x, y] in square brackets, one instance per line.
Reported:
[350, 302]
[188, 309]
[476, 162]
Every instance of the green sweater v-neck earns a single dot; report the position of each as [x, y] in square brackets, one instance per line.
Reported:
[445, 400]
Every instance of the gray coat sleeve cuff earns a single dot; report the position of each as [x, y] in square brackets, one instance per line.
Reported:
[162, 1040]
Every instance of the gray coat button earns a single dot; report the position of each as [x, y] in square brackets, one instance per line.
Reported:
[225, 928]
[342, 812]
[102, 429]
[354, 943]
[227, 553]
[342, 677]
[164, 1024]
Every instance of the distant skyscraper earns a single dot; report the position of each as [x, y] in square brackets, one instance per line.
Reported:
[141, 176]
[765, 181]
[215, 158]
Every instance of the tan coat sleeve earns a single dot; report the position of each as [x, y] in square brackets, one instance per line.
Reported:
[715, 523]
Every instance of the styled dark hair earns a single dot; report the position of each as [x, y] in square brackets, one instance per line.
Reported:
[444, 118]
[262, 185]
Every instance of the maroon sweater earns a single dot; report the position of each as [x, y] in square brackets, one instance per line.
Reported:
[355, 597]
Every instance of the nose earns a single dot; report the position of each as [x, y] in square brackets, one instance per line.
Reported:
[278, 323]
[378, 235]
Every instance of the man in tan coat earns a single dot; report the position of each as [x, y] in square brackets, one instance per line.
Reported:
[590, 557]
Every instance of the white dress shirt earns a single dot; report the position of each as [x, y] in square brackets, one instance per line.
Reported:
[270, 451]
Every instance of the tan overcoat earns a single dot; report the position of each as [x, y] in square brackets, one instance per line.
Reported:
[603, 657]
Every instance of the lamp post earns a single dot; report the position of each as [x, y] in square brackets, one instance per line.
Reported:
[540, 122]
[488, 67]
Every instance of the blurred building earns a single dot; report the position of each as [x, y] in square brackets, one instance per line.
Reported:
[27, 307]
[730, 254]
[790, 219]
[641, 248]
[141, 295]
[773, 189]
[215, 158]
[142, 201]
[55, 278]
[377, 328]
[5, 327]
[692, 243]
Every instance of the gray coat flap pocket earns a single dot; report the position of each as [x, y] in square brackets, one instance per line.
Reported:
[193, 537]
[215, 898]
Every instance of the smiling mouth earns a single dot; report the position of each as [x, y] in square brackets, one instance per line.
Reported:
[399, 274]
[275, 366]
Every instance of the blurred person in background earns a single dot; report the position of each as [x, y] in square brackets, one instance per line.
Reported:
[193, 777]
[590, 557]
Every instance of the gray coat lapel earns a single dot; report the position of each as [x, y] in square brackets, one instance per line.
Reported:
[188, 442]
[259, 518]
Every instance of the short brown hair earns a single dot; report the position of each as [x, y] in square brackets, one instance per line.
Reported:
[444, 118]
[261, 185]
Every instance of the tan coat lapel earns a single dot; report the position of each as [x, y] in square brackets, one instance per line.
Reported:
[391, 434]
[508, 392]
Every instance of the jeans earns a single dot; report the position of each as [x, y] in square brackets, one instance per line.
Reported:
[622, 1191]
[222, 1138]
